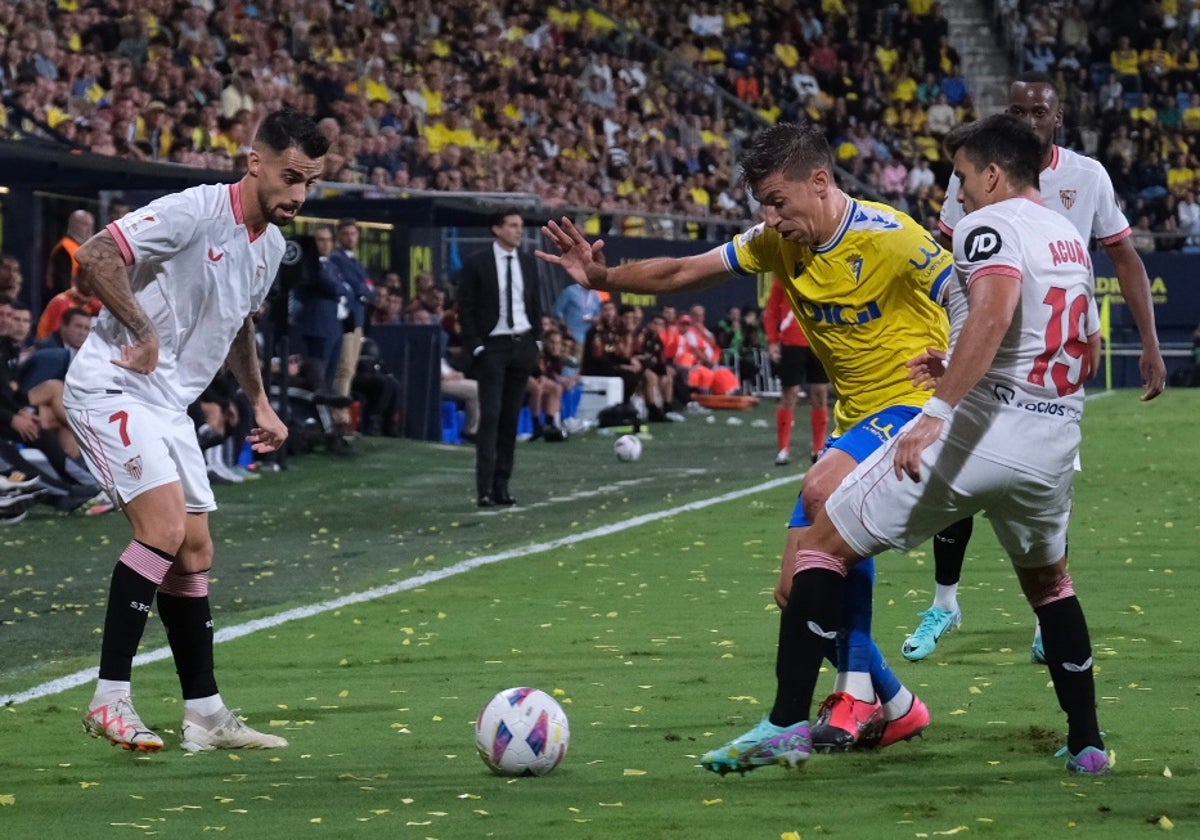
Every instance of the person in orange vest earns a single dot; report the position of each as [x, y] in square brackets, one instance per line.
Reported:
[701, 355]
[72, 298]
[61, 265]
[794, 362]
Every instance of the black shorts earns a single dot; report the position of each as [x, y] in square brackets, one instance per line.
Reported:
[799, 366]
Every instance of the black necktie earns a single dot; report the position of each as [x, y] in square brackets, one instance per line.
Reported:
[508, 292]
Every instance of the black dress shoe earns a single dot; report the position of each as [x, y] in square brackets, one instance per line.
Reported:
[485, 501]
[501, 497]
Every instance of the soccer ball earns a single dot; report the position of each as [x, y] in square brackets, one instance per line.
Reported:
[627, 448]
[522, 732]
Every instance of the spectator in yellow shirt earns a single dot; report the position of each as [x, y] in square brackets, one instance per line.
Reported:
[905, 88]
[787, 53]
[1156, 61]
[1191, 114]
[1145, 111]
[1180, 175]
[1124, 59]
[887, 55]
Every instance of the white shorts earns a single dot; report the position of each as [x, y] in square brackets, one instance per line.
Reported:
[873, 510]
[132, 447]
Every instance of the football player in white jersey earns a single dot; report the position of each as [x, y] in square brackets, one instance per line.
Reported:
[179, 279]
[1000, 434]
[1079, 189]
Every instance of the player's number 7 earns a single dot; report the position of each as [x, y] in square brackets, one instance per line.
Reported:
[122, 419]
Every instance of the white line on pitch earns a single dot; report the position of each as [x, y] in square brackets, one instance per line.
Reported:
[227, 634]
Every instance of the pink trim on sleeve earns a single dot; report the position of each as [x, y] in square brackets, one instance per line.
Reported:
[122, 241]
[945, 228]
[996, 271]
[1116, 237]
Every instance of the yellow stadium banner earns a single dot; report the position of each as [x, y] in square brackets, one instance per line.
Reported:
[1106, 336]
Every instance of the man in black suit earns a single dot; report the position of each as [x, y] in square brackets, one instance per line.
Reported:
[501, 317]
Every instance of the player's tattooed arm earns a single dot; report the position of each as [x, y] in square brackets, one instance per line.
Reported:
[243, 361]
[270, 432]
[102, 273]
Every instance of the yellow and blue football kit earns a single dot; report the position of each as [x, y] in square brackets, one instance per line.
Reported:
[868, 300]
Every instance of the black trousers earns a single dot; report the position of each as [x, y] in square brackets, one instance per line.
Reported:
[502, 370]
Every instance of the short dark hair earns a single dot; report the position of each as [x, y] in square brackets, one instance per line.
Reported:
[73, 312]
[1003, 140]
[787, 148]
[319, 228]
[288, 128]
[500, 214]
[1035, 77]
[347, 222]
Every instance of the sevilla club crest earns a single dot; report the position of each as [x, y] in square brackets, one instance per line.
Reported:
[1068, 198]
[134, 467]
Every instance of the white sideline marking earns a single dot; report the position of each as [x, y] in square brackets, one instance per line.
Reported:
[238, 630]
[227, 634]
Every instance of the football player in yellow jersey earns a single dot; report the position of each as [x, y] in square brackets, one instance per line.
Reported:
[864, 281]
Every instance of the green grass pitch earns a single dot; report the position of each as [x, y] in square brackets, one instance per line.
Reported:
[658, 634]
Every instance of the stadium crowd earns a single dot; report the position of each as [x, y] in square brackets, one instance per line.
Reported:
[629, 108]
[526, 97]
[529, 97]
[1128, 75]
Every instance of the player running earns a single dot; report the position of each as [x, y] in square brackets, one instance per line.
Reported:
[864, 281]
[1077, 188]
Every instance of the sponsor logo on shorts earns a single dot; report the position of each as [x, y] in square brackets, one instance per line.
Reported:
[134, 467]
[1050, 409]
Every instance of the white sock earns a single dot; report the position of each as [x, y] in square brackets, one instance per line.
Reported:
[858, 685]
[899, 705]
[107, 690]
[946, 597]
[204, 706]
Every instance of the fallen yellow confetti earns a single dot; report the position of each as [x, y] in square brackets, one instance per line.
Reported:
[634, 773]
[7, 799]
[1164, 822]
[790, 835]
[86, 785]
[712, 801]
[1167, 772]
[950, 831]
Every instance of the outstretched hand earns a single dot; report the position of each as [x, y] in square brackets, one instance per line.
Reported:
[927, 369]
[583, 261]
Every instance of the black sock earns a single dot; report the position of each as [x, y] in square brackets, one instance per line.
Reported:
[129, 598]
[816, 598]
[190, 634]
[949, 549]
[1069, 658]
